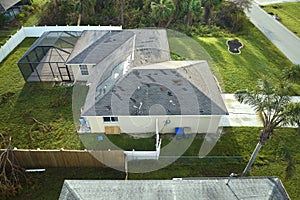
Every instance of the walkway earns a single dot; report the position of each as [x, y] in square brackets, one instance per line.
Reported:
[242, 114]
[286, 41]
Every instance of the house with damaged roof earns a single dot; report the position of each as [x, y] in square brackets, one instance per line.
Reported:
[135, 87]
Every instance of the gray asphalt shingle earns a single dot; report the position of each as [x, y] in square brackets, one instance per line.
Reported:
[201, 189]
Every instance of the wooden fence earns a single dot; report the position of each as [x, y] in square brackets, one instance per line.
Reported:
[69, 158]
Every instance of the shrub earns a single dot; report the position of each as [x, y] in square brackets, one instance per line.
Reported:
[2, 19]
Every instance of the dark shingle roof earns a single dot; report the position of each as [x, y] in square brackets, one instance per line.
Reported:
[150, 46]
[200, 189]
[167, 88]
[94, 46]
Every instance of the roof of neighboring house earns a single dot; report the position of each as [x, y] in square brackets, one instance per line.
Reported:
[6, 4]
[202, 188]
[166, 88]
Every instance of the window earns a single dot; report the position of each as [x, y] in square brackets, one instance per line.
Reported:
[84, 69]
[110, 119]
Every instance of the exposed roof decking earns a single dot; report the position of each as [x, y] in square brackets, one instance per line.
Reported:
[151, 46]
[202, 188]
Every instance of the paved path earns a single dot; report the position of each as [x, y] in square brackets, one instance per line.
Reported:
[286, 41]
[242, 114]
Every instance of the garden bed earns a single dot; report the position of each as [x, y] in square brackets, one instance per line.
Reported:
[234, 46]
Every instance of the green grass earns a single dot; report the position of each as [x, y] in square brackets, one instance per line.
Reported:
[20, 102]
[115, 142]
[5, 35]
[289, 14]
[52, 105]
[183, 47]
[271, 161]
[259, 58]
[47, 185]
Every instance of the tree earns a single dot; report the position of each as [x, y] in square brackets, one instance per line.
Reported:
[58, 12]
[11, 173]
[84, 7]
[275, 109]
[208, 7]
[193, 10]
[162, 11]
[244, 4]
[231, 15]
[292, 73]
[122, 6]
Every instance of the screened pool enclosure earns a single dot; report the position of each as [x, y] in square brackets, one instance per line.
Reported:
[45, 60]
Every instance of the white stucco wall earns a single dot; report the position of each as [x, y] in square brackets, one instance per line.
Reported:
[77, 73]
[167, 124]
[96, 124]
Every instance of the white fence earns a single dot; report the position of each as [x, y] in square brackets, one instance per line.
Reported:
[24, 32]
[146, 155]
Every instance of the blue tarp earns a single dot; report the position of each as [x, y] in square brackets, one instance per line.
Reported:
[100, 138]
[179, 131]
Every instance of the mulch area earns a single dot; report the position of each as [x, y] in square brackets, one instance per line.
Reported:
[234, 46]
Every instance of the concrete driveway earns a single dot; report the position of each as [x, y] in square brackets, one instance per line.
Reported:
[286, 41]
[242, 114]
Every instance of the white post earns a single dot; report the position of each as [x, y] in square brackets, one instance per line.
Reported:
[156, 131]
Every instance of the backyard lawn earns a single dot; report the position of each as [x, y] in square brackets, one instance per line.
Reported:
[259, 58]
[279, 157]
[21, 103]
[289, 14]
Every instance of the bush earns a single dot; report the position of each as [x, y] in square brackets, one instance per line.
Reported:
[230, 17]
[22, 16]
[2, 19]
[208, 31]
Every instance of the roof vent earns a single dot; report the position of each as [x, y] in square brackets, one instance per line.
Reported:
[171, 102]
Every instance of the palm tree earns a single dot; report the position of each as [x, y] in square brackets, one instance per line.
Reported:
[275, 109]
[193, 10]
[292, 73]
[122, 6]
[84, 7]
[162, 10]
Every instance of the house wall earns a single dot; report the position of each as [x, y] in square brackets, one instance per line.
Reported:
[103, 69]
[96, 124]
[167, 124]
[77, 73]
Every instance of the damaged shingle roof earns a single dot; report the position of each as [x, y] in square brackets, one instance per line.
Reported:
[167, 88]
